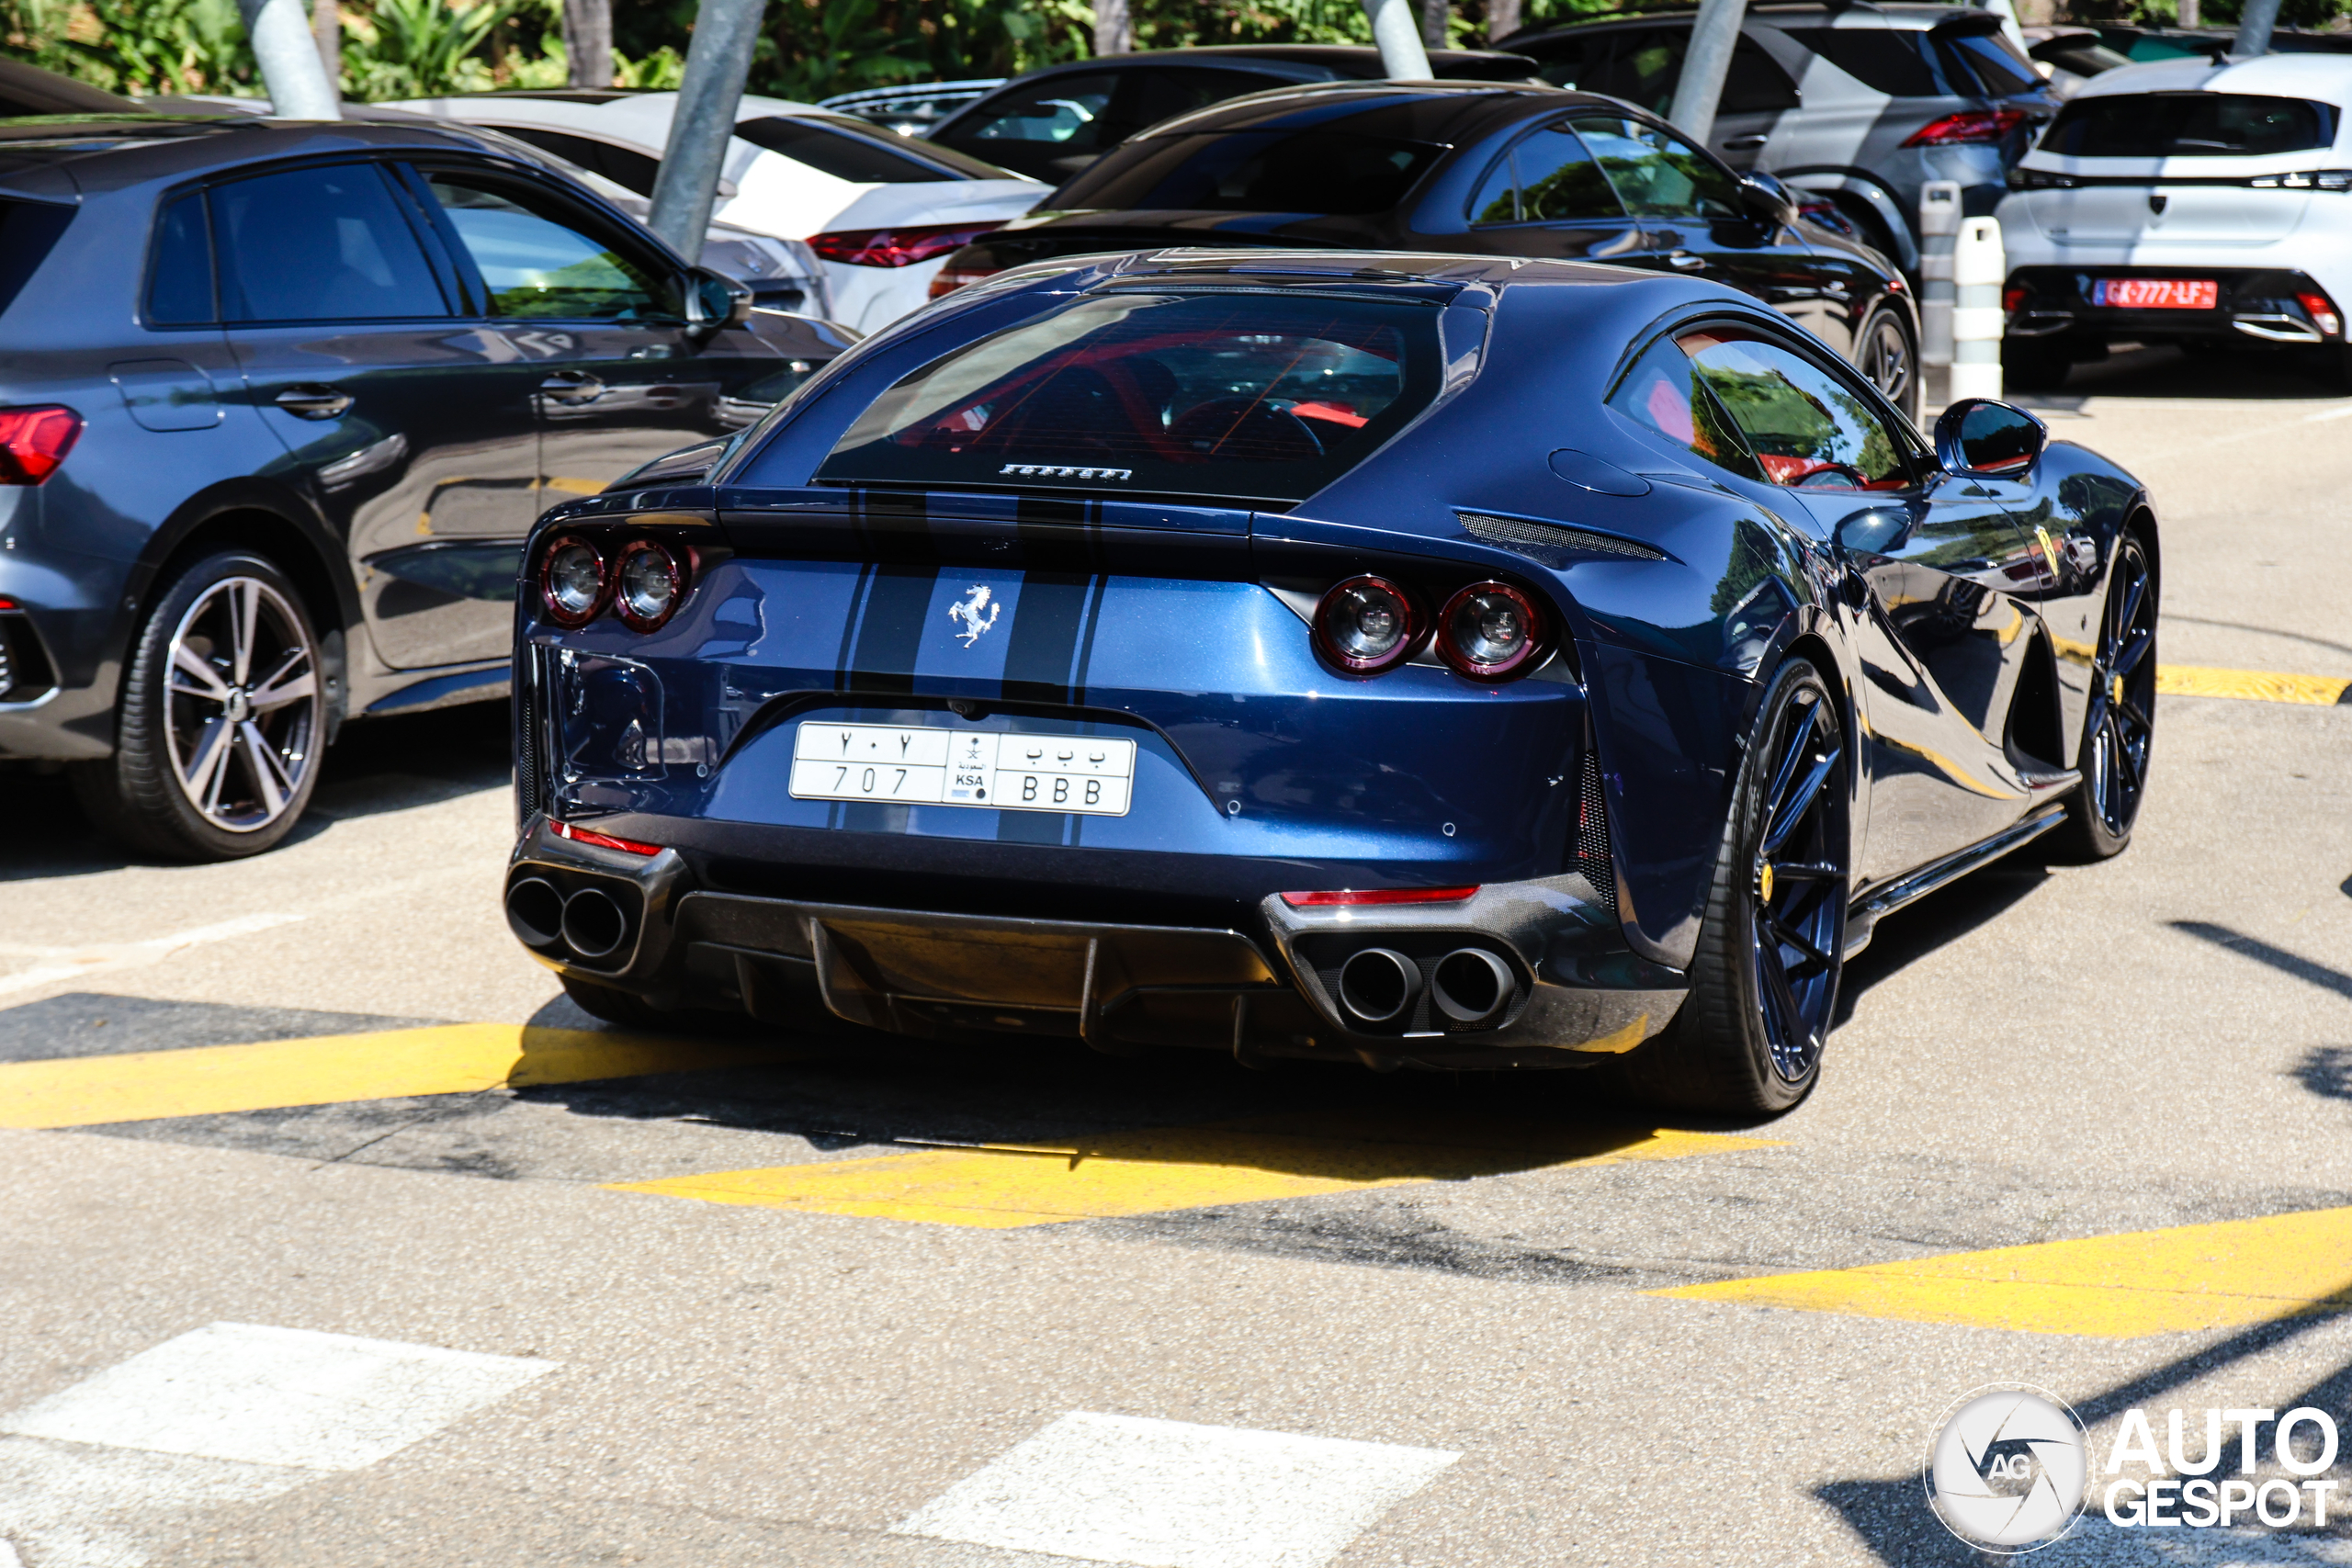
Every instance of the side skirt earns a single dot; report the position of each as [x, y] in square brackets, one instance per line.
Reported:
[1863, 916]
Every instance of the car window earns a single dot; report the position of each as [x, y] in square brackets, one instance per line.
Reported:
[1807, 427]
[536, 264]
[2190, 125]
[320, 245]
[1998, 65]
[1645, 67]
[1657, 174]
[1893, 60]
[179, 294]
[1663, 392]
[625, 167]
[1547, 178]
[1567, 61]
[845, 155]
[1061, 109]
[1330, 171]
[1231, 394]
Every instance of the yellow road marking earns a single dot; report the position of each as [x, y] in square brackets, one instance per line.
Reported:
[457, 1058]
[576, 487]
[1056, 1182]
[2258, 686]
[2181, 1281]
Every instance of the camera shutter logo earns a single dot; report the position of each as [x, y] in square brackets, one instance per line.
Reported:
[2008, 1468]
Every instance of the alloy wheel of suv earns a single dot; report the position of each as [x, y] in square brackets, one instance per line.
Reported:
[1885, 355]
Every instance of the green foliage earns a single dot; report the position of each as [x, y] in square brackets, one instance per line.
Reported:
[134, 46]
[418, 49]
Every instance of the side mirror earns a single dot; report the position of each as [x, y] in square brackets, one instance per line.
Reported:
[1992, 440]
[1766, 199]
[715, 300]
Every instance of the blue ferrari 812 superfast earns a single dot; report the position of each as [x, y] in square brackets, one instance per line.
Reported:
[1419, 661]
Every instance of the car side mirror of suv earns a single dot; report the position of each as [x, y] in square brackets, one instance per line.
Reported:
[715, 301]
[1993, 440]
[1766, 199]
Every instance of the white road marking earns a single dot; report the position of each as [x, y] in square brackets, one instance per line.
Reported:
[2331, 413]
[1171, 1494]
[99, 958]
[101, 1474]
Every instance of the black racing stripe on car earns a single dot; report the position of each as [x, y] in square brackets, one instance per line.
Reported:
[895, 525]
[1060, 534]
[1077, 678]
[849, 627]
[891, 631]
[1046, 626]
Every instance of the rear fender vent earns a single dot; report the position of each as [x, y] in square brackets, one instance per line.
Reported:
[1592, 834]
[1553, 538]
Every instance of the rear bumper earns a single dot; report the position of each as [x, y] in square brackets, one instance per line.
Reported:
[2254, 306]
[1265, 986]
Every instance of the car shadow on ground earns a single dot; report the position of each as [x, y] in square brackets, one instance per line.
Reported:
[375, 765]
[2161, 370]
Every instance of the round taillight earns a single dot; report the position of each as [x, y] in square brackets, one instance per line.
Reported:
[1490, 631]
[648, 585]
[1367, 625]
[572, 581]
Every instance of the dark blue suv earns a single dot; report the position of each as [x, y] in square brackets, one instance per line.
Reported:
[279, 404]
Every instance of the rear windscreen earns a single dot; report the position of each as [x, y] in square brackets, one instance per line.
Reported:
[1322, 172]
[1893, 60]
[1237, 395]
[2190, 125]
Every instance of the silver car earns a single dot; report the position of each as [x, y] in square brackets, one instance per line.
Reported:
[1858, 105]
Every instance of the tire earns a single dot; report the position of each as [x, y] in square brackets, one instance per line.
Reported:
[1764, 977]
[2119, 729]
[2030, 365]
[1885, 353]
[221, 721]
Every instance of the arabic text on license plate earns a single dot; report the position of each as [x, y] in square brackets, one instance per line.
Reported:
[920, 765]
[2156, 293]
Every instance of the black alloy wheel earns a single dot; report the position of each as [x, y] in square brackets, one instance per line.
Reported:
[1764, 977]
[1884, 354]
[2119, 723]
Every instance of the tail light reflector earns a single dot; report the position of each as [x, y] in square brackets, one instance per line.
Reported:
[648, 585]
[2324, 315]
[1968, 126]
[1490, 631]
[602, 841]
[1350, 897]
[1367, 625]
[33, 441]
[897, 247]
[573, 581]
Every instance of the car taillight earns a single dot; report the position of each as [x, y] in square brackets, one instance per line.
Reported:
[1490, 631]
[572, 581]
[34, 440]
[897, 247]
[2323, 314]
[647, 586]
[2012, 296]
[948, 279]
[1350, 897]
[1969, 126]
[1367, 625]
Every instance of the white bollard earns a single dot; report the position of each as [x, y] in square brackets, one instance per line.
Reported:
[1939, 226]
[1979, 267]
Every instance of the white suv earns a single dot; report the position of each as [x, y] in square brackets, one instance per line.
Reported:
[2184, 202]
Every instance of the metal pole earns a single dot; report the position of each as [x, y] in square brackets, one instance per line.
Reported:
[289, 57]
[587, 41]
[1398, 32]
[1114, 28]
[717, 63]
[2253, 27]
[1502, 20]
[326, 30]
[1712, 38]
[2188, 14]
[1435, 14]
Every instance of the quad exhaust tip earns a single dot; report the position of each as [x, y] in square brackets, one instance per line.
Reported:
[1471, 985]
[594, 923]
[1378, 984]
[535, 912]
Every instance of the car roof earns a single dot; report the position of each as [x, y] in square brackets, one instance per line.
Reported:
[1860, 15]
[636, 119]
[1330, 55]
[130, 150]
[2326, 77]
[1423, 110]
[28, 89]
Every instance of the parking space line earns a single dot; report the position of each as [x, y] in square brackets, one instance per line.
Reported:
[1055, 1181]
[2184, 1280]
[2255, 686]
[457, 1058]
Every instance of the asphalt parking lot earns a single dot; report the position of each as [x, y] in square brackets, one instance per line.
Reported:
[523, 1290]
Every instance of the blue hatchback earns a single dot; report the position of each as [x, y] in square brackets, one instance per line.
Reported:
[1433, 660]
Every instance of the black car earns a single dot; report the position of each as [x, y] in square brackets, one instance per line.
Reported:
[1486, 169]
[1051, 123]
[281, 403]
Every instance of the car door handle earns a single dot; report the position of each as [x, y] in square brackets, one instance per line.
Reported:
[1686, 261]
[313, 400]
[1744, 143]
[572, 387]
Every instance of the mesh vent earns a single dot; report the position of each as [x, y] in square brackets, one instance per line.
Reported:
[1510, 531]
[527, 787]
[1592, 835]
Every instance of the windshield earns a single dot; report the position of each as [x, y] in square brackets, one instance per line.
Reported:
[2190, 125]
[1321, 171]
[1239, 396]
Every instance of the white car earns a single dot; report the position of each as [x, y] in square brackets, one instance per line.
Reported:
[881, 212]
[2184, 202]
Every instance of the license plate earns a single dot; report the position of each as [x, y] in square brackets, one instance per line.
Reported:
[920, 765]
[2156, 293]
